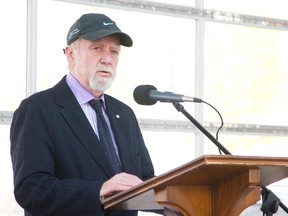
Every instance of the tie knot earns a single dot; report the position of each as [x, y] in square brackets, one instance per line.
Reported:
[96, 105]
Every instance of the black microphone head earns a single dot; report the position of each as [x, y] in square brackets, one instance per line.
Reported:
[141, 95]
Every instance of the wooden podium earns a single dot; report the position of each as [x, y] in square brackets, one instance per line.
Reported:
[207, 186]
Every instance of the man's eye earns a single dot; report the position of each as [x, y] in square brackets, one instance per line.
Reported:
[115, 52]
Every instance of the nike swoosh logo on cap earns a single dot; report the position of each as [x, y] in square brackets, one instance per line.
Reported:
[104, 23]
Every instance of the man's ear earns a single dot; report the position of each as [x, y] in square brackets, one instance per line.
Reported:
[69, 54]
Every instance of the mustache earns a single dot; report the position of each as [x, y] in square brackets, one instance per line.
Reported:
[105, 70]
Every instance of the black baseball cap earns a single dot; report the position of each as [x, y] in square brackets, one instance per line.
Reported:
[94, 26]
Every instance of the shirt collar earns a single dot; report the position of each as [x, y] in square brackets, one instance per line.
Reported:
[82, 95]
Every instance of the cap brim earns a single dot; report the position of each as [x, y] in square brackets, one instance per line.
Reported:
[125, 39]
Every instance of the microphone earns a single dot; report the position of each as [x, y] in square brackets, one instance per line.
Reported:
[148, 95]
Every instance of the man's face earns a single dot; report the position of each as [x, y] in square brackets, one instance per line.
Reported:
[94, 63]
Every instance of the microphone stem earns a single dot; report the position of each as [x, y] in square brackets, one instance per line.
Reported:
[181, 109]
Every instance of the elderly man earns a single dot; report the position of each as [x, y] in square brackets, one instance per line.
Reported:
[72, 145]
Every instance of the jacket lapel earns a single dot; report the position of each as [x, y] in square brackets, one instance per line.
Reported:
[76, 119]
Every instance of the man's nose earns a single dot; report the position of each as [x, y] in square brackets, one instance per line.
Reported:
[106, 58]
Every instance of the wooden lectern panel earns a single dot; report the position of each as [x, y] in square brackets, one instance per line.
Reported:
[207, 186]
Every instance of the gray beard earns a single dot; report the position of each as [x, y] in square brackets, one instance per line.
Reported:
[101, 84]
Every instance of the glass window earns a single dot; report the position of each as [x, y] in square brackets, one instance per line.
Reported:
[250, 145]
[246, 74]
[13, 53]
[165, 149]
[264, 8]
[176, 2]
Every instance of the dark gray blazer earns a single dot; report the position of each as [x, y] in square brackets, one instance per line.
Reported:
[57, 159]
